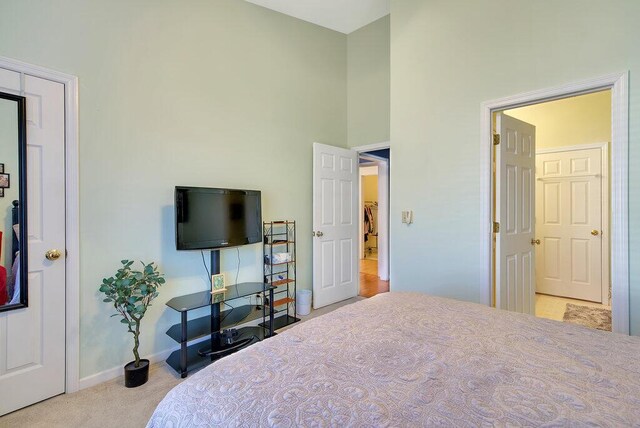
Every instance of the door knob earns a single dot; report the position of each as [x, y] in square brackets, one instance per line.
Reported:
[595, 232]
[319, 234]
[52, 254]
[535, 241]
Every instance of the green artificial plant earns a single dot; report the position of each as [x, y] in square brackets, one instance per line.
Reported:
[131, 293]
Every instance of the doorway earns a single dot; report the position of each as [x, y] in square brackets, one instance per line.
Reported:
[338, 222]
[374, 220]
[505, 220]
[569, 246]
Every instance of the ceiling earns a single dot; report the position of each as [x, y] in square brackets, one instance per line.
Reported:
[344, 16]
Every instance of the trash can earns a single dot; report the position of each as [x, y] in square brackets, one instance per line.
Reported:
[303, 302]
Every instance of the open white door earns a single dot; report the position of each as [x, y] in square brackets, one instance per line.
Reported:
[335, 224]
[32, 339]
[569, 224]
[515, 205]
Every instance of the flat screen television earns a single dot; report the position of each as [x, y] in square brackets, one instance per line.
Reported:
[208, 218]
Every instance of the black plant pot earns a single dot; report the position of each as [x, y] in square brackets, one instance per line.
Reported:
[136, 376]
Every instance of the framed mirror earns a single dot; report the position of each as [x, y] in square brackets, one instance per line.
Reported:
[13, 202]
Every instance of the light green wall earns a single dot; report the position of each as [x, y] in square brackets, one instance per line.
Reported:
[368, 71]
[218, 93]
[447, 58]
[9, 157]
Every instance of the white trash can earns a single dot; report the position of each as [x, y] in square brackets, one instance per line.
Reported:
[303, 302]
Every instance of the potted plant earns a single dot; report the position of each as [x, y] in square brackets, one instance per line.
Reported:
[131, 293]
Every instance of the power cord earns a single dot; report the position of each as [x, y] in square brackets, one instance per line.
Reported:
[228, 313]
[205, 267]
[204, 263]
[238, 271]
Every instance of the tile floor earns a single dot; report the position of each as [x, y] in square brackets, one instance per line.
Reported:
[552, 307]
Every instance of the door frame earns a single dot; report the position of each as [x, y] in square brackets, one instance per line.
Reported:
[619, 270]
[604, 202]
[384, 199]
[72, 208]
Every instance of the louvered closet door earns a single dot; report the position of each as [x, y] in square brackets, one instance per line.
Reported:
[32, 339]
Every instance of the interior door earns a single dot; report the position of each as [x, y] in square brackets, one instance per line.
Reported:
[569, 223]
[515, 202]
[32, 339]
[335, 224]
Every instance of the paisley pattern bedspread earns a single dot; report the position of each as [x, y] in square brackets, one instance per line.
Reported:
[408, 359]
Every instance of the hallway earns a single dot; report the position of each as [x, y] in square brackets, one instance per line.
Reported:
[370, 284]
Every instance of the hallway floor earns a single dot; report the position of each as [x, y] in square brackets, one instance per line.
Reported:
[553, 308]
[370, 284]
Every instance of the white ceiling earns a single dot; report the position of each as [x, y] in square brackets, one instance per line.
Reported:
[344, 16]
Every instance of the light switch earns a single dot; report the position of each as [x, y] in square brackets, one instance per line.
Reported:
[407, 217]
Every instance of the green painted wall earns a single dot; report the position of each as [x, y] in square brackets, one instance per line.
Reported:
[218, 93]
[447, 58]
[368, 72]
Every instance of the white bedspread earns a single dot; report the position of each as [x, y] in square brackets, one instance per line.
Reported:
[407, 359]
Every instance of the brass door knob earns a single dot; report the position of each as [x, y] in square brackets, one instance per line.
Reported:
[52, 254]
[535, 242]
[319, 234]
[595, 232]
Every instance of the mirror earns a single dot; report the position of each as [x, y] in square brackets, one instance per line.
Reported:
[13, 192]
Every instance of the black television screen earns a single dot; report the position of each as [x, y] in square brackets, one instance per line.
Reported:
[216, 218]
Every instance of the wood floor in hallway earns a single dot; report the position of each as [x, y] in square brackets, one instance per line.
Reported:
[370, 284]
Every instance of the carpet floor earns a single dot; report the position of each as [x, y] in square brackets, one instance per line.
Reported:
[110, 404]
[588, 317]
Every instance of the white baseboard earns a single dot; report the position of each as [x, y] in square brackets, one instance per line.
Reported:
[112, 373]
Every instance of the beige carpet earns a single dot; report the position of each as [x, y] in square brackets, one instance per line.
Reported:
[111, 404]
[588, 317]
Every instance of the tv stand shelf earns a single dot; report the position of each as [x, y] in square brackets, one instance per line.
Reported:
[188, 357]
[195, 361]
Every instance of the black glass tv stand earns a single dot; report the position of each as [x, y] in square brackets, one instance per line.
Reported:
[216, 346]
[226, 348]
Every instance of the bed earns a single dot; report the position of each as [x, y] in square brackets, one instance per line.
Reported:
[408, 359]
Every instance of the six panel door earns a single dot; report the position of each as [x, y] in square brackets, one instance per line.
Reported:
[32, 339]
[515, 176]
[335, 224]
[569, 223]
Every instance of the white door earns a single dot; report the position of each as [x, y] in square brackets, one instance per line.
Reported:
[515, 172]
[335, 224]
[32, 339]
[569, 224]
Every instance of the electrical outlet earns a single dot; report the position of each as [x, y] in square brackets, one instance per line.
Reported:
[407, 217]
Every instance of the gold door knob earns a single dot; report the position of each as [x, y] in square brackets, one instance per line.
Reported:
[595, 232]
[535, 242]
[52, 254]
[319, 234]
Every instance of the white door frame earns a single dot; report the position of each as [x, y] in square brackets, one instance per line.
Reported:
[72, 261]
[619, 243]
[383, 215]
[604, 201]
